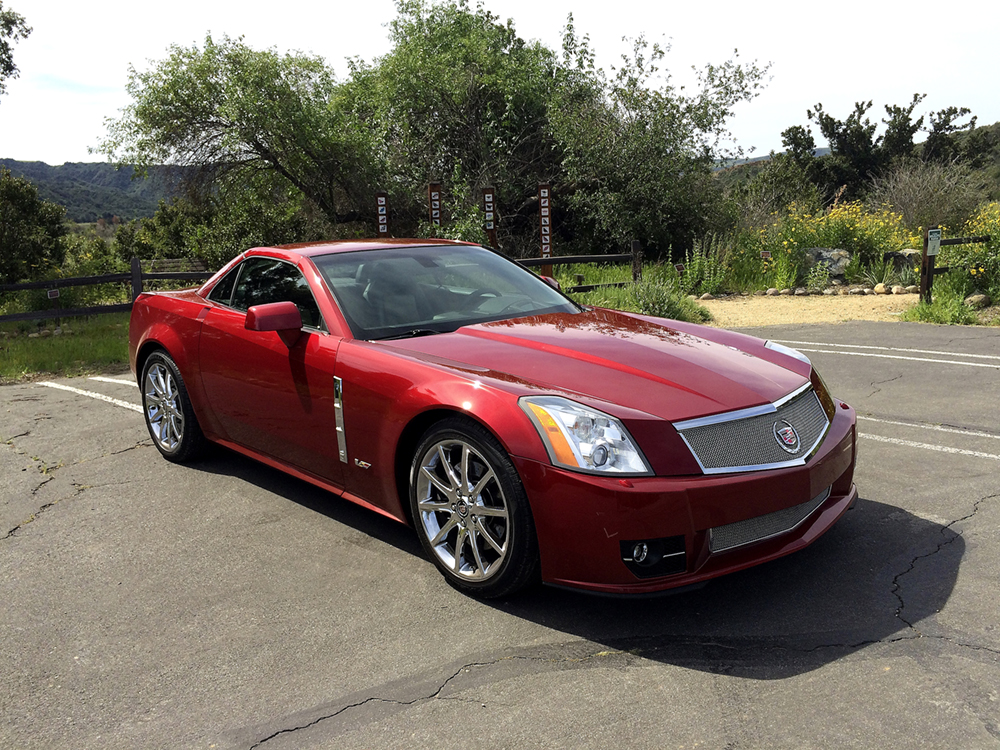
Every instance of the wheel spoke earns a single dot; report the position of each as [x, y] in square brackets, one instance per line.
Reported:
[448, 469]
[464, 469]
[489, 510]
[485, 534]
[481, 484]
[451, 523]
[462, 533]
[430, 506]
[448, 492]
[475, 553]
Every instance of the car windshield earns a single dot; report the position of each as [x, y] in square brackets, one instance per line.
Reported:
[412, 291]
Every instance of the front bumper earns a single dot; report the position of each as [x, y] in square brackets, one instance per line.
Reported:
[582, 521]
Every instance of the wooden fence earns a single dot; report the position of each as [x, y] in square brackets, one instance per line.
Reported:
[171, 270]
[160, 270]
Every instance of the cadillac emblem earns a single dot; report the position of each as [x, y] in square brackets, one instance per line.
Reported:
[786, 436]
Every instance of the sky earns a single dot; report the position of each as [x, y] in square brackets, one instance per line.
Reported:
[74, 65]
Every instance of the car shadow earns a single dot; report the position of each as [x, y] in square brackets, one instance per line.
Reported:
[872, 578]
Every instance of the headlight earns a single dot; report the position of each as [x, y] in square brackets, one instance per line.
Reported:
[583, 439]
[787, 350]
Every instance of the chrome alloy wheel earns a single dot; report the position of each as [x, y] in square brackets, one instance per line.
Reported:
[462, 510]
[164, 412]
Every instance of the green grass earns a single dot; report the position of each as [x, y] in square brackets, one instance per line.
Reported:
[95, 344]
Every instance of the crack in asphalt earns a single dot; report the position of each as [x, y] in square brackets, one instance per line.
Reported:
[875, 383]
[79, 490]
[436, 693]
[897, 586]
[140, 444]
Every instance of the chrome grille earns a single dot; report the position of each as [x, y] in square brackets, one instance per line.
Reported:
[763, 527]
[748, 440]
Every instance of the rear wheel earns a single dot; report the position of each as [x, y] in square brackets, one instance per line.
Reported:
[471, 511]
[169, 417]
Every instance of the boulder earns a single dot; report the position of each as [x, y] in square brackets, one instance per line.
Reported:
[772, 292]
[897, 289]
[978, 301]
[834, 259]
[881, 289]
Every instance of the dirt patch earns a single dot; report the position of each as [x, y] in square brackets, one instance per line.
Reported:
[737, 312]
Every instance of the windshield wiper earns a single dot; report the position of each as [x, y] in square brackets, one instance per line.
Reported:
[411, 334]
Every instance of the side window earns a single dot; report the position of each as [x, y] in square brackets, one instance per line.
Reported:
[265, 280]
[223, 291]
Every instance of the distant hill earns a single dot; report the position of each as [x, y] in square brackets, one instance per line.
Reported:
[90, 191]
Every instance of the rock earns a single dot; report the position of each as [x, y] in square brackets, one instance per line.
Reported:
[868, 292]
[855, 290]
[907, 258]
[45, 334]
[786, 292]
[897, 289]
[32, 335]
[706, 295]
[978, 301]
[834, 259]
[843, 291]
[760, 293]
[912, 289]
[836, 282]
[800, 292]
[772, 292]
[829, 292]
[880, 289]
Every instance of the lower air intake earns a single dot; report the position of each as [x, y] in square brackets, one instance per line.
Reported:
[722, 538]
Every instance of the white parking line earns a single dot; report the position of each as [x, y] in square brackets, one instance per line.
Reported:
[938, 428]
[928, 446]
[91, 394]
[113, 380]
[890, 349]
[912, 359]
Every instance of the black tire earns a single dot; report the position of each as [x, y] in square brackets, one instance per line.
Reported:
[479, 532]
[167, 409]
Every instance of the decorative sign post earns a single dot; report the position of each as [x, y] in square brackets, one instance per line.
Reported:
[434, 203]
[489, 214]
[382, 201]
[932, 246]
[545, 224]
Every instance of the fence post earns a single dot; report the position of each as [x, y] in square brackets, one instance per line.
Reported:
[636, 261]
[136, 278]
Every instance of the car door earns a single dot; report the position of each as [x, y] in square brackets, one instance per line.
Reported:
[273, 398]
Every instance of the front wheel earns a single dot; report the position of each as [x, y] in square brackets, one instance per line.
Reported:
[471, 511]
[169, 417]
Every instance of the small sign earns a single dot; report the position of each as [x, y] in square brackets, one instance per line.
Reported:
[434, 203]
[53, 293]
[489, 214]
[680, 268]
[933, 241]
[544, 221]
[765, 254]
[382, 212]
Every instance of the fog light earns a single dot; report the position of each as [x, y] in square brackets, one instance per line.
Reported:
[600, 455]
[640, 551]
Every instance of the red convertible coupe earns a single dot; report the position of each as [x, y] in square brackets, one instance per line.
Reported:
[523, 436]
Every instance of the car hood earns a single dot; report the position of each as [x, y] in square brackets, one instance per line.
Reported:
[616, 358]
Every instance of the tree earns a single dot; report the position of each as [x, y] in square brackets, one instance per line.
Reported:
[638, 150]
[12, 28]
[236, 111]
[463, 100]
[31, 231]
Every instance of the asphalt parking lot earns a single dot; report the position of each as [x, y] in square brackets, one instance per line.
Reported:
[225, 605]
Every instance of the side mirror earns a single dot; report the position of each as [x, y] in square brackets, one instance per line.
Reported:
[552, 283]
[283, 317]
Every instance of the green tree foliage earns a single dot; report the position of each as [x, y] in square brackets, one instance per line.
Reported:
[235, 111]
[31, 231]
[12, 28]
[460, 99]
[638, 150]
[857, 156]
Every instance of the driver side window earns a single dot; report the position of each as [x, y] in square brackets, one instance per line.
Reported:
[265, 280]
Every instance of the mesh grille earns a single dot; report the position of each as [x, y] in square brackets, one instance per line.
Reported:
[762, 527]
[751, 442]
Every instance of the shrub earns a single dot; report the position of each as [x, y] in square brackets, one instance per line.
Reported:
[647, 297]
